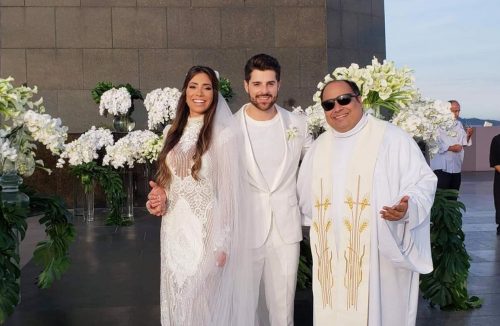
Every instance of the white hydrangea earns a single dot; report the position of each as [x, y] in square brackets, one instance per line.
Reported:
[115, 101]
[161, 105]
[85, 148]
[136, 147]
[423, 119]
[45, 129]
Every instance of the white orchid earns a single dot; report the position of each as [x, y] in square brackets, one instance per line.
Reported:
[45, 129]
[22, 124]
[161, 105]
[315, 118]
[7, 153]
[423, 119]
[85, 148]
[136, 147]
[115, 101]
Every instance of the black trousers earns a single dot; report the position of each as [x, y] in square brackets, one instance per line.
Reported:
[496, 196]
[448, 180]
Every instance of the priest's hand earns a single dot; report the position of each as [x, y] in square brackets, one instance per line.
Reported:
[157, 200]
[396, 212]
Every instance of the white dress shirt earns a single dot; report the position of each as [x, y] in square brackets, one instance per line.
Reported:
[446, 160]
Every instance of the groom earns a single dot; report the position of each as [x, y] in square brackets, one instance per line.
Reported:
[275, 141]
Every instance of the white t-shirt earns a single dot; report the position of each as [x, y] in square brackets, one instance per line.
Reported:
[268, 145]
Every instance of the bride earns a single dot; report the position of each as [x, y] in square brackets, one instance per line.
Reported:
[203, 256]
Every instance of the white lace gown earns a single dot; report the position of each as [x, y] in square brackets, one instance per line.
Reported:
[189, 237]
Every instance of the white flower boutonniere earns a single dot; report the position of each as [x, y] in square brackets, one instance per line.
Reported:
[291, 133]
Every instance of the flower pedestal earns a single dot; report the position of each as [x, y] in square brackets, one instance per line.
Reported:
[78, 199]
[128, 205]
[88, 207]
[123, 123]
[14, 199]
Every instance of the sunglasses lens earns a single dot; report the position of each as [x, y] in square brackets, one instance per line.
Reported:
[344, 100]
[328, 105]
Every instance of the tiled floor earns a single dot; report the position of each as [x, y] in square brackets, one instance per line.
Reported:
[114, 276]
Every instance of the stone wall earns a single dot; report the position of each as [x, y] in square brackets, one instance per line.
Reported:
[66, 46]
[355, 32]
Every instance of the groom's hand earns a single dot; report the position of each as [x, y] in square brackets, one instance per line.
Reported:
[220, 259]
[395, 212]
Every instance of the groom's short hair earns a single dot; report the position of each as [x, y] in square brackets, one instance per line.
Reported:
[262, 62]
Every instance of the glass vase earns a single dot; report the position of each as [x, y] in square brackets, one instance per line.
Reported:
[10, 182]
[128, 182]
[78, 198]
[123, 123]
[88, 205]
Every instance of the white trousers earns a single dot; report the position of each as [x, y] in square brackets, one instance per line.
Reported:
[275, 265]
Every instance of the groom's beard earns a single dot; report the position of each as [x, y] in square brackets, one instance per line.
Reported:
[264, 106]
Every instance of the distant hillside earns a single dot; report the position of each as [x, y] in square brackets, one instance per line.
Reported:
[478, 122]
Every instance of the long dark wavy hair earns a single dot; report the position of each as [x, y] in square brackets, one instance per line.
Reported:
[164, 175]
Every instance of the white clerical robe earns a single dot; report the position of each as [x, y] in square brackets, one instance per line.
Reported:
[399, 250]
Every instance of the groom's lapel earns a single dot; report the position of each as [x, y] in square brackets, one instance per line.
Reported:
[256, 176]
[285, 124]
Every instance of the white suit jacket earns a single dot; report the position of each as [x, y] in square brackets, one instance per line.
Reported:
[279, 199]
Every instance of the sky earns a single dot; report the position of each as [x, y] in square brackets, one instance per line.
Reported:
[453, 46]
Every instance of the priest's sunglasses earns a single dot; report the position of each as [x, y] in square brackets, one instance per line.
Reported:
[343, 99]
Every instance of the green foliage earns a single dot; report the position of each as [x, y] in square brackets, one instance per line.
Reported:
[446, 286]
[99, 89]
[304, 274]
[110, 181]
[51, 254]
[225, 88]
[12, 230]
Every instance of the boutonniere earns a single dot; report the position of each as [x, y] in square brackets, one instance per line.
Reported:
[291, 133]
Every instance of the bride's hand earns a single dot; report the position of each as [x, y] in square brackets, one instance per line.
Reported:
[157, 197]
[220, 259]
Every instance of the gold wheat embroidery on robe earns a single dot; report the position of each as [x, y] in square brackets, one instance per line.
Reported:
[355, 251]
[321, 226]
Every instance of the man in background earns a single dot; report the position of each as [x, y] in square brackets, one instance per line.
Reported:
[495, 163]
[447, 163]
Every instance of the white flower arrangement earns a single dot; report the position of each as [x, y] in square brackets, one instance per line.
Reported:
[85, 148]
[136, 147]
[315, 118]
[423, 119]
[161, 105]
[116, 101]
[45, 129]
[380, 85]
[22, 124]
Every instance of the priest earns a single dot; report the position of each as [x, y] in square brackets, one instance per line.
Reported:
[366, 191]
